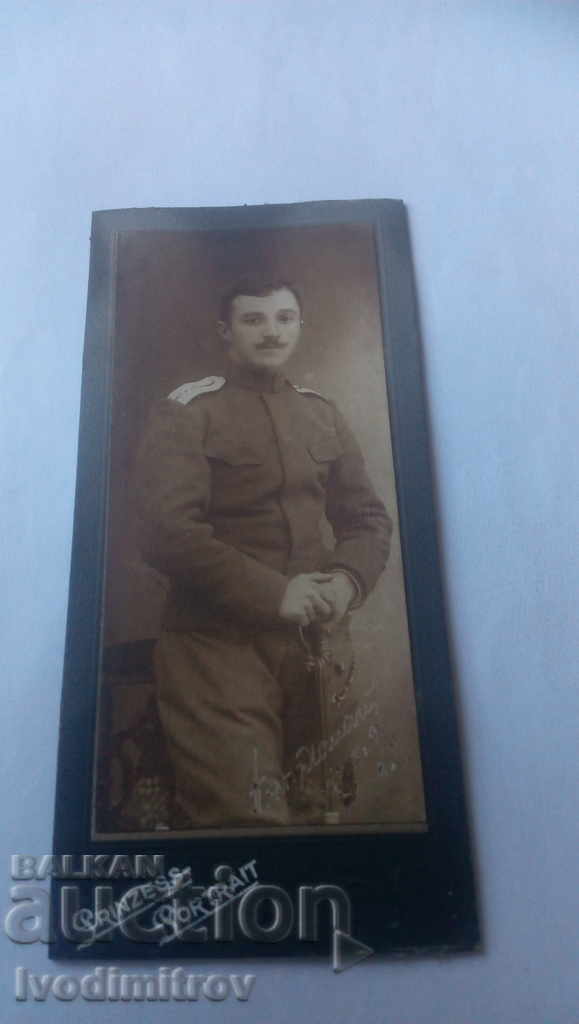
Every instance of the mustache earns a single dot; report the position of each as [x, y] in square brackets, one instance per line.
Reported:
[263, 345]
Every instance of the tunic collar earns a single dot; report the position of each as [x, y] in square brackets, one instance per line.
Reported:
[248, 379]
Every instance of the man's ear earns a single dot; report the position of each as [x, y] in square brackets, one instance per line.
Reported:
[223, 330]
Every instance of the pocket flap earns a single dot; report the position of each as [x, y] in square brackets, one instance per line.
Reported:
[325, 448]
[234, 453]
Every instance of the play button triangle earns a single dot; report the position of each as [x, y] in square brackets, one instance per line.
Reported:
[347, 952]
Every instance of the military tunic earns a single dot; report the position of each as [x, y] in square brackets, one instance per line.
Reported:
[235, 479]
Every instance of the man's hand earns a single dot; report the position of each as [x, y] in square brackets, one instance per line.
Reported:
[340, 591]
[304, 600]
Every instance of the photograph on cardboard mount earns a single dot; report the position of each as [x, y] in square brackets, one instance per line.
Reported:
[255, 669]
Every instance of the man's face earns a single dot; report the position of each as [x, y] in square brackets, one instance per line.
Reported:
[263, 330]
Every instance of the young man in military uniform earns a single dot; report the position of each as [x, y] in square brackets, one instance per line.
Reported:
[235, 475]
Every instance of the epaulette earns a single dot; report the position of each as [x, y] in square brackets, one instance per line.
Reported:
[308, 391]
[187, 392]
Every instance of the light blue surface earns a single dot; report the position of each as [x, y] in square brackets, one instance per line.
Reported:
[468, 110]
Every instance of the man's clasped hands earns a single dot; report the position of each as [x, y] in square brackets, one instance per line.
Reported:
[318, 597]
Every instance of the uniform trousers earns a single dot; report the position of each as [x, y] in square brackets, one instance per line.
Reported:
[245, 722]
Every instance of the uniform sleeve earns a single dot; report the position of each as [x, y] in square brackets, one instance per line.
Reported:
[173, 498]
[361, 524]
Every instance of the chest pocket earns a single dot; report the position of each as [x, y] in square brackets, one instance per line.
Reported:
[232, 451]
[325, 448]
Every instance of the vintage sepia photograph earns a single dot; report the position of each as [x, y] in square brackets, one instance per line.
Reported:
[255, 668]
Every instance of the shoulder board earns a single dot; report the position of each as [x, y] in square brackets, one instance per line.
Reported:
[308, 391]
[187, 392]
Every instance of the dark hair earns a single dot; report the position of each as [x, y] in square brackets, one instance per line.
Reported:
[255, 287]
